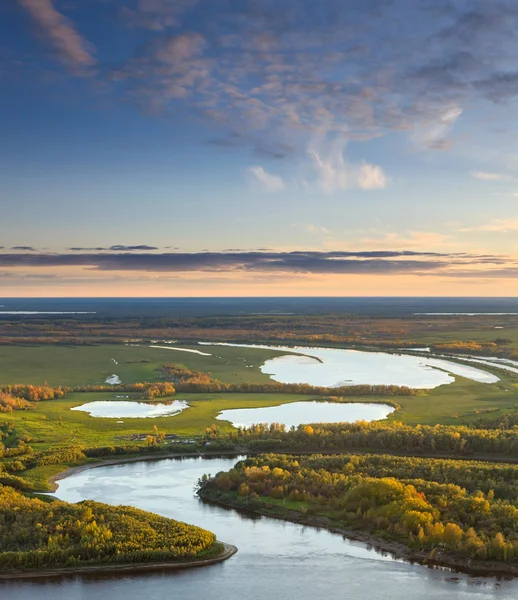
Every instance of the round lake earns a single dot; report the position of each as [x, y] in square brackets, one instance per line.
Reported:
[132, 410]
[302, 413]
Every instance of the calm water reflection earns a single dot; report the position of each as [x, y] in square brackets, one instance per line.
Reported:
[275, 559]
[333, 367]
[300, 413]
[117, 409]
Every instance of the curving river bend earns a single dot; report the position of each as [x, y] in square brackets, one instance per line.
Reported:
[275, 559]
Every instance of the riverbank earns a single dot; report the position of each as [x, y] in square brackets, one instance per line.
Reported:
[242, 451]
[439, 560]
[129, 568]
[397, 550]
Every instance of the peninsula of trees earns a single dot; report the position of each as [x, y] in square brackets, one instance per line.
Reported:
[36, 535]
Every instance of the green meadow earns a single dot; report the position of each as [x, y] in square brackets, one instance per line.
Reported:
[91, 365]
[52, 422]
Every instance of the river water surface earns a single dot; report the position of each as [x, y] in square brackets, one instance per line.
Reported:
[276, 560]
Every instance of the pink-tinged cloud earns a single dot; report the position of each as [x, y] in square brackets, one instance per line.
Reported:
[71, 48]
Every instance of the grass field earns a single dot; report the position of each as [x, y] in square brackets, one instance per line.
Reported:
[91, 365]
[53, 422]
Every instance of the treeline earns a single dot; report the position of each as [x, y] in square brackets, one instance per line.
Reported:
[148, 391]
[36, 534]
[394, 436]
[22, 397]
[507, 421]
[484, 348]
[186, 380]
[25, 397]
[428, 505]
[328, 329]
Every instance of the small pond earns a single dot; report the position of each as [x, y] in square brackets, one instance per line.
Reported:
[120, 409]
[301, 413]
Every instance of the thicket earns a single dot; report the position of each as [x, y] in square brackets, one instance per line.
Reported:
[394, 436]
[36, 534]
[427, 504]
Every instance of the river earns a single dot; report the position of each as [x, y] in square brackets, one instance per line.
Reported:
[276, 559]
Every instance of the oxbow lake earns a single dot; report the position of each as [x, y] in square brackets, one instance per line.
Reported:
[276, 559]
[300, 413]
[332, 367]
[119, 409]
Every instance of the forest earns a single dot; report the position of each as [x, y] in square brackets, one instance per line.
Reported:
[428, 505]
[377, 331]
[38, 535]
[378, 436]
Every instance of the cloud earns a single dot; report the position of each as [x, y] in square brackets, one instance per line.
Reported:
[433, 135]
[301, 262]
[486, 176]
[271, 75]
[155, 15]
[71, 48]
[412, 239]
[115, 248]
[507, 273]
[27, 248]
[494, 226]
[334, 173]
[270, 183]
[311, 228]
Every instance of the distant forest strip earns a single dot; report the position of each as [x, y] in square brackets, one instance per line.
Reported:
[444, 508]
[36, 534]
[496, 348]
[375, 331]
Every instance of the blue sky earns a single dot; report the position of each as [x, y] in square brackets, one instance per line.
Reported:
[209, 125]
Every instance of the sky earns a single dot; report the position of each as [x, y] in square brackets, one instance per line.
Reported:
[258, 148]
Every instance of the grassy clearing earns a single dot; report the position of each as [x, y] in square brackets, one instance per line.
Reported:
[90, 365]
[53, 422]
[461, 402]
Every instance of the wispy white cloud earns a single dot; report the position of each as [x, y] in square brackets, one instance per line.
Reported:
[488, 176]
[312, 228]
[71, 48]
[433, 133]
[494, 226]
[418, 240]
[335, 173]
[269, 182]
